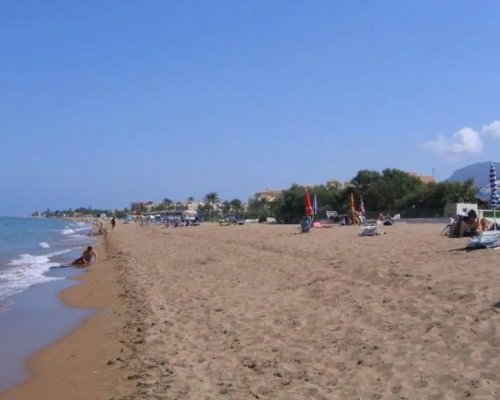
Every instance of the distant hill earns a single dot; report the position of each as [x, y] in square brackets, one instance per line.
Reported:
[480, 172]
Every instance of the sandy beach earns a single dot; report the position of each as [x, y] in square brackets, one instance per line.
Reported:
[263, 312]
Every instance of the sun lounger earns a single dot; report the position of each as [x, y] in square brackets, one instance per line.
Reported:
[369, 231]
[305, 225]
[485, 240]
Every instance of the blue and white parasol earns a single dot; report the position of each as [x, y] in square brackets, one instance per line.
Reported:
[494, 200]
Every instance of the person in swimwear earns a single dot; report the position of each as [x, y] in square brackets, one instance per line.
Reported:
[86, 257]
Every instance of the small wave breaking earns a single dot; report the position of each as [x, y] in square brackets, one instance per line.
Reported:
[25, 271]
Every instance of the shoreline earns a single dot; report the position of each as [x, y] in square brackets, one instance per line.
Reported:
[88, 362]
[33, 320]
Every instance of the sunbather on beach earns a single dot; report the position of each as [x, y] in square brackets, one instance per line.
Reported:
[467, 226]
[485, 224]
[86, 257]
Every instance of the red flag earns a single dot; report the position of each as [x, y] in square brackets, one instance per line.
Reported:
[308, 204]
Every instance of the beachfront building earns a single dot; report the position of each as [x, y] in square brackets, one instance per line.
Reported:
[139, 207]
[423, 178]
[192, 205]
[333, 183]
[269, 195]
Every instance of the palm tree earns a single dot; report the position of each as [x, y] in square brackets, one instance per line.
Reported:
[211, 199]
[167, 203]
[236, 206]
[226, 207]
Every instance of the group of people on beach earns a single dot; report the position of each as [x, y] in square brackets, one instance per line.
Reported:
[384, 219]
[100, 227]
[468, 225]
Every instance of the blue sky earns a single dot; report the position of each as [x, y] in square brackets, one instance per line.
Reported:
[106, 102]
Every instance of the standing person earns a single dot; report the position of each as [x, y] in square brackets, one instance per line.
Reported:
[86, 257]
[113, 223]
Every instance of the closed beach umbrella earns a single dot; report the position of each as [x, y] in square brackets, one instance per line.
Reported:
[353, 205]
[494, 200]
[308, 204]
[361, 205]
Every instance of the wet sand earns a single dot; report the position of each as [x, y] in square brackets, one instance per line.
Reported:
[245, 312]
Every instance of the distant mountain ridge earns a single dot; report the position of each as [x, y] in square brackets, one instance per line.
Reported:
[480, 172]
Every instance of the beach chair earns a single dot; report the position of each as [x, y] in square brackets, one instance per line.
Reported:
[369, 231]
[305, 225]
[446, 229]
[485, 240]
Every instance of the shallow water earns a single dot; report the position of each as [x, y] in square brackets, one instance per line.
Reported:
[36, 319]
[31, 314]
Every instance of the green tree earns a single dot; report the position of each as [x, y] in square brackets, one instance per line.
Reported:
[211, 199]
[290, 205]
[226, 207]
[259, 208]
[236, 206]
[167, 204]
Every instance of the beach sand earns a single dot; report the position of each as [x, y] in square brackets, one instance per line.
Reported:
[263, 312]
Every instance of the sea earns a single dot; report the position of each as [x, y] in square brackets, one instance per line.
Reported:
[34, 257]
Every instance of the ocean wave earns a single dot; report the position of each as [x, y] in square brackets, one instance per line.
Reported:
[45, 245]
[81, 223]
[58, 253]
[73, 238]
[25, 271]
[85, 228]
[29, 260]
[76, 231]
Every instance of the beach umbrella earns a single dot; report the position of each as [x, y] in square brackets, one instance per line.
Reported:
[361, 205]
[308, 204]
[353, 205]
[494, 200]
[315, 205]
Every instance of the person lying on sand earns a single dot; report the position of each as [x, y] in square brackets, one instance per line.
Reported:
[86, 257]
[465, 226]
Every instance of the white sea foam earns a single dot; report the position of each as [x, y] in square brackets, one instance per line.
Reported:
[85, 228]
[45, 245]
[74, 238]
[76, 231]
[59, 253]
[25, 271]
